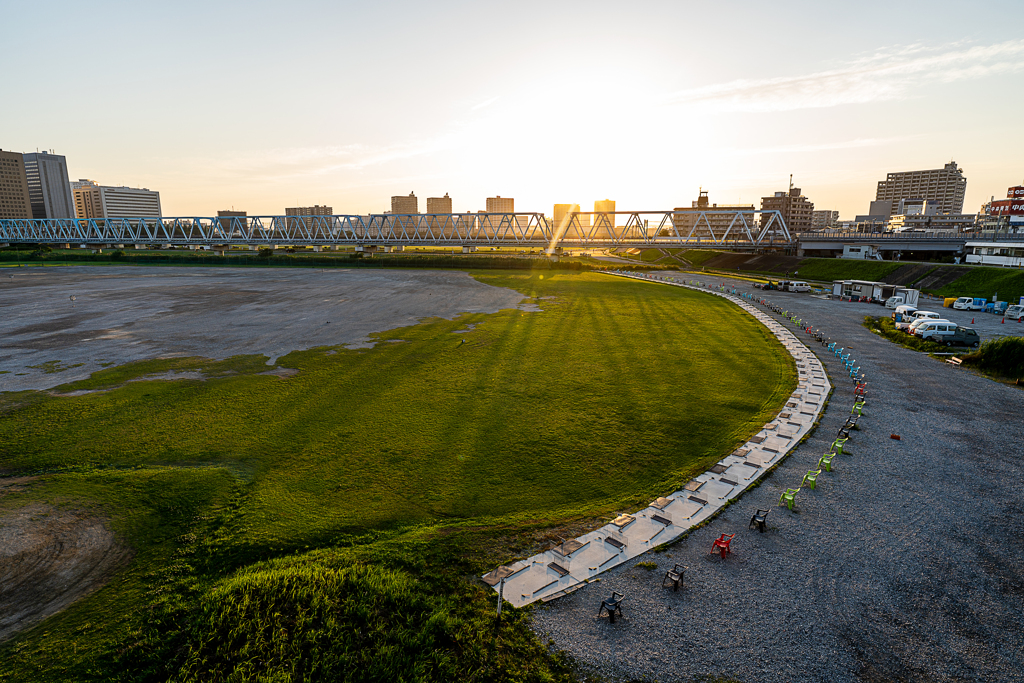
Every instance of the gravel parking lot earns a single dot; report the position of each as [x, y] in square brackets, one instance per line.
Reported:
[906, 563]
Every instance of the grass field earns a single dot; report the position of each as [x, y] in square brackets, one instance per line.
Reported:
[323, 525]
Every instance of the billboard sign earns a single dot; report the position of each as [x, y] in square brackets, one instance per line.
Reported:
[1007, 207]
[1016, 192]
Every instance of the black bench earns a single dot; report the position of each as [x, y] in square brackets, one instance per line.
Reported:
[675, 577]
[611, 606]
[760, 519]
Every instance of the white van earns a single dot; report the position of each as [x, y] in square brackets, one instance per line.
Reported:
[904, 311]
[914, 317]
[935, 330]
[798, 287]
[920, 321]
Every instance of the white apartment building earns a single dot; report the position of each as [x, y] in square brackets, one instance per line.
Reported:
[101, 201]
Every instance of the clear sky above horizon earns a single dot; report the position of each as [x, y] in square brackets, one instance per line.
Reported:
[263, 105]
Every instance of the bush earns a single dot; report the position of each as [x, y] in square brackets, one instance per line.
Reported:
[889, 331]
[265, 252]
[1001, 357]
[117, 255]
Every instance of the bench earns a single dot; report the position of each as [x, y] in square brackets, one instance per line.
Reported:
[955, 361]
[611, 606]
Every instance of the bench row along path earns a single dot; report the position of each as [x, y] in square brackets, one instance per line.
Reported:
[575, 562]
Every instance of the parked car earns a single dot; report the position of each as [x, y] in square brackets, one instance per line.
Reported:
[903, 311]
[964, 336]
[967, 303]
[935, 330]
[1015, 312]
[920, 321]
[911, 318]
[798, 287]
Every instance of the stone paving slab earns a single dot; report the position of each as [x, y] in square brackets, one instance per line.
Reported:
[535, 578]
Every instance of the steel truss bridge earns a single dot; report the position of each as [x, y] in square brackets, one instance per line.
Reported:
[746, 230]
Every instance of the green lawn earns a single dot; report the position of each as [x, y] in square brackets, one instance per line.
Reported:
[424, 457]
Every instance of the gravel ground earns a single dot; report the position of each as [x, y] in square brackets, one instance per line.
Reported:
[121, 314]
[905, 564]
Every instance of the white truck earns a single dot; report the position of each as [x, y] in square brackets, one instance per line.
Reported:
[903, 297]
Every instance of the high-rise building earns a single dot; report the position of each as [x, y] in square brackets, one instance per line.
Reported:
[87, 198]
[717, 219]
[946, 185]
[402, 204]
[795, 208]
[823, 220]
[562, 211]
[101, 201]
[49, 189]
[501, 204]
[604, 217]
[439, 204]
[14, 198]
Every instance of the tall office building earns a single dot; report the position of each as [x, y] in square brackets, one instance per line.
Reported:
[101, 201]
[402, 204]
[49, 189]
[14, 198]
[946, 185]
[438, 204]
[501, 204]
[795, 208]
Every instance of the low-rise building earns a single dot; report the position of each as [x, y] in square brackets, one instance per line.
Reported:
[1002, 253]
[954, 223]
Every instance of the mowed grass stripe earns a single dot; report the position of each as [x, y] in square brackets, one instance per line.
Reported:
[615, 390]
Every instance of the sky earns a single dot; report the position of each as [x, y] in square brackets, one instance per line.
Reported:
[259, 106]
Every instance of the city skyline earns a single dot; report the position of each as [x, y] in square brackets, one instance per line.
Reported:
[534, 114]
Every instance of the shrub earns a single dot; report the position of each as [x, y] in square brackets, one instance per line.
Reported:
[1003, 357]
[117, 255]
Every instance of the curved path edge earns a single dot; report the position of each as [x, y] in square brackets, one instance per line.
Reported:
[560, 571]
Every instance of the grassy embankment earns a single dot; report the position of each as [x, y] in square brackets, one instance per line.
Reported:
[328, 526]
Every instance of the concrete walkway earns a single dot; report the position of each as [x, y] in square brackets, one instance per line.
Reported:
[574, 563]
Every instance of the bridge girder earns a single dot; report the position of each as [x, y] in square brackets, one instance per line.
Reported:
[578, 230]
